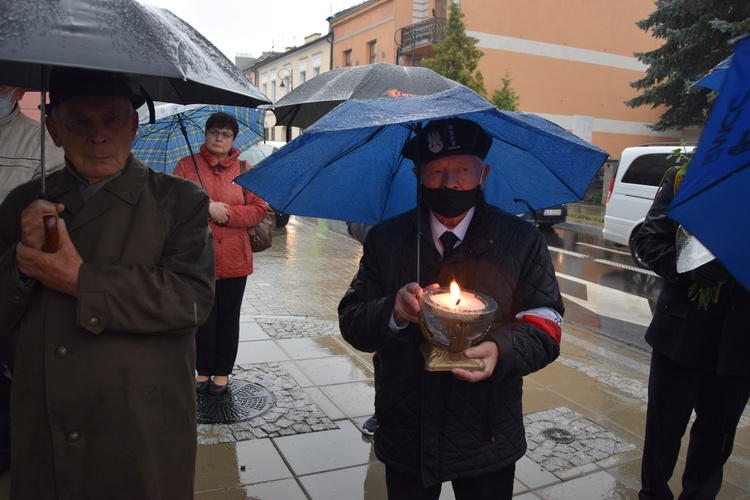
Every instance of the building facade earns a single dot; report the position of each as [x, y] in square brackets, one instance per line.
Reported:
[278, 73]
[571, 62]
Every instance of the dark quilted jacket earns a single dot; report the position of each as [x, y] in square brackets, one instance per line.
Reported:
[431, 423]
[715, 339]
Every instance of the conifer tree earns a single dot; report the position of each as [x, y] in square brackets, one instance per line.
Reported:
[457, 56]
[506, 98]
[696, 36]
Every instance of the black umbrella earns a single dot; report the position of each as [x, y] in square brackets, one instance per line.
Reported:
[166, 57]
[311, 100]
[163, 57]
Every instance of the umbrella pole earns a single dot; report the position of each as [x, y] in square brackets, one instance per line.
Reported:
[419, 225]
[419, 211]
[190, 148]
[51, 234]
[288, 126]
[42, 119]
[149, 105]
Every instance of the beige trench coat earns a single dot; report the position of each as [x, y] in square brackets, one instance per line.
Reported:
[103, 397]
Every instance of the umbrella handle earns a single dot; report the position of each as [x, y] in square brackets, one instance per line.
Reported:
[51, 234]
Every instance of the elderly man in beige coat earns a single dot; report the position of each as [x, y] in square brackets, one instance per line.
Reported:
[103, 399]
[20, 142]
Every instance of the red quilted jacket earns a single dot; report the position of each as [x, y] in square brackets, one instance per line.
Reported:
[234, 256]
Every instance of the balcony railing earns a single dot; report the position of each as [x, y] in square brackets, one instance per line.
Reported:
[429, 31]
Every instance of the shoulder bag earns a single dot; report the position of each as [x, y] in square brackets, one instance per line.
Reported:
[262, 234]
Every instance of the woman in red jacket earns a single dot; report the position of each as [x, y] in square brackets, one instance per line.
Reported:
[231, 212]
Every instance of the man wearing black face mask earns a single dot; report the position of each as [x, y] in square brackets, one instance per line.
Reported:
[460, 426]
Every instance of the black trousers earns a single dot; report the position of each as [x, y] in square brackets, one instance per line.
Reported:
[674, 391]
[218, 338]
[496, 485]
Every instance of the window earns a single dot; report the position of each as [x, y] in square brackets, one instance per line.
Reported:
[302, 68]
[372, 51]
[648, 169]
[441, 9]
[287, 80]
[347, 58]
[273, 90]
[316, 60]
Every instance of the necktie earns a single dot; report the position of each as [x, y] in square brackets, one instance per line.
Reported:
[448, 239]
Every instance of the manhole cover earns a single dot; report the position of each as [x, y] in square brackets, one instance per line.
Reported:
[558, 435]
[243, 401]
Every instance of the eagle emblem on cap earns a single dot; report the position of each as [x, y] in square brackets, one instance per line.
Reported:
[434, 142]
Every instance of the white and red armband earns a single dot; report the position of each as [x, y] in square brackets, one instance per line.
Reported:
[546, 319]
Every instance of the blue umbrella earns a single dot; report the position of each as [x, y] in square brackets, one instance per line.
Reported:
[348, 165]
[716, 186]
[714, 78]
[179, 131]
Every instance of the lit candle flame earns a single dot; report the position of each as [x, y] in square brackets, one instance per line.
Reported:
[455, 292]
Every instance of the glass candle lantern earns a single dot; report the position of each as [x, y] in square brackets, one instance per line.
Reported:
[451, 321]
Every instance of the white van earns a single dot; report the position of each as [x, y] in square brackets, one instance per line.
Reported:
[633, 188]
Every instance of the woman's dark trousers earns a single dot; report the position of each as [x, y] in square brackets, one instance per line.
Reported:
[218, 338]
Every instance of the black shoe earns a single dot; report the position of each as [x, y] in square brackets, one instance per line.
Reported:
[202, 387]
[218, 390]
[368, 428]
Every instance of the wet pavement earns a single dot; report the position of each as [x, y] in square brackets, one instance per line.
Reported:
[307, 393]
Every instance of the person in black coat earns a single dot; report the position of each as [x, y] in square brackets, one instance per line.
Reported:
[460, 426]
[359, 231]
[699, 363]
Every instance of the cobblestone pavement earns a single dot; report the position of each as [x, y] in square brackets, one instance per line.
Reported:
[560, 439]
[289, 411]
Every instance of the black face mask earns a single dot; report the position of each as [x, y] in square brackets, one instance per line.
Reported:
[449, 202]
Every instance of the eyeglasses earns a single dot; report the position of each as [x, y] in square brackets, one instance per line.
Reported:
[464, 173]
[217, 132]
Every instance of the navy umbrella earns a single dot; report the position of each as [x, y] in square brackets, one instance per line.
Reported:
[348, 165]
[716, 186]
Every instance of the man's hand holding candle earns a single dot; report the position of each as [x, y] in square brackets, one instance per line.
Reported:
[486, 351]
[406, 309]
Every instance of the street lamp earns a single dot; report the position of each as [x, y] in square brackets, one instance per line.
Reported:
[290, 75]
[283, 85]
